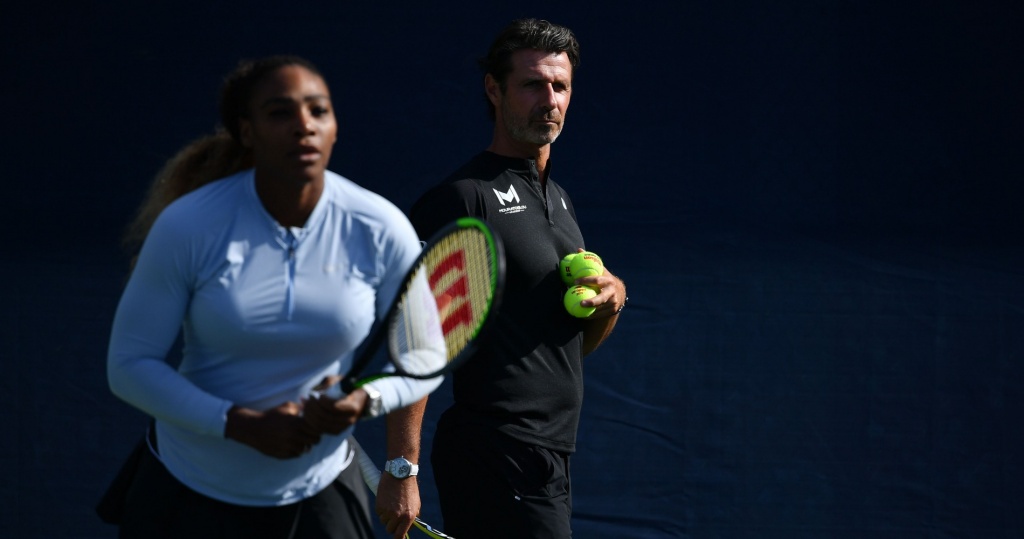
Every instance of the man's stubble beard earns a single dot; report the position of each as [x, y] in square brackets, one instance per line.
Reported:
[519, 128]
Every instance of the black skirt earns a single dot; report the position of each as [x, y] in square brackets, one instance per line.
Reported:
[148, 502]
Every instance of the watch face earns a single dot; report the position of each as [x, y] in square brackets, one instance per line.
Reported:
[400, 468]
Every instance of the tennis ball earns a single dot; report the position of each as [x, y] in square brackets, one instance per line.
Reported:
[585, 264]
[563, 268]
[574, 296]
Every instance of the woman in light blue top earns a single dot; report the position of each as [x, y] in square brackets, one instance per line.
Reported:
[273, 275]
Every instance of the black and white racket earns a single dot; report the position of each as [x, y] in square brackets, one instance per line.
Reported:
[454, 287]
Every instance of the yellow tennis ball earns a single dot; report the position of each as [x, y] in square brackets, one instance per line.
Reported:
[574, 296]
[563, 268]
[585, 264]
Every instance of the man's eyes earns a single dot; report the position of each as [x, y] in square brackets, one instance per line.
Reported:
[557, 86]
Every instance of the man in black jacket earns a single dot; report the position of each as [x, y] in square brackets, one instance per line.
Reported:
[501, 452]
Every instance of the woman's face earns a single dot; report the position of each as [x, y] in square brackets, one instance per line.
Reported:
[291, 127]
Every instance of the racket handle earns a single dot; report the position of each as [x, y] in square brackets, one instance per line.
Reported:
[370, 472]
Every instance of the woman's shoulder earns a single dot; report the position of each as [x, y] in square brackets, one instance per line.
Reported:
[357, 199]
[370, 212]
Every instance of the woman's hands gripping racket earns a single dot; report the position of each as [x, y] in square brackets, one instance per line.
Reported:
[452, 289]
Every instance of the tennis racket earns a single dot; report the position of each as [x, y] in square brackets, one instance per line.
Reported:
[453, 289]
[372, 477]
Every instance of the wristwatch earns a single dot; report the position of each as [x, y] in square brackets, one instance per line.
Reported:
[401, 468]
[374, 405]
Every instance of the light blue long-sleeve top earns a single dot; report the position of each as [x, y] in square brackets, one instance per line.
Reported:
[266, 312]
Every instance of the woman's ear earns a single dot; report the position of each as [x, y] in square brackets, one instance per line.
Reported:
[245, 132]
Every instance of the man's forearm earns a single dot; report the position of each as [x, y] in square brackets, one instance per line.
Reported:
[404, 428]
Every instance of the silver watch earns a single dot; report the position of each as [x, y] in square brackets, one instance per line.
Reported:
[374, 405]
[401, 468]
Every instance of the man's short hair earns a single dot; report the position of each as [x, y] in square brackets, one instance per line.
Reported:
[527, 34]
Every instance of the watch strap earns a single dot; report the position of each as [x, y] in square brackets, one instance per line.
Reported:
[373, 406]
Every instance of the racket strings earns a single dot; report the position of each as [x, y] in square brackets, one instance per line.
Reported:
[462, 277]
[414, 330]
[452, 292]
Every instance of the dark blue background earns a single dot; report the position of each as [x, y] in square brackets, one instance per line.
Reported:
[815, 204]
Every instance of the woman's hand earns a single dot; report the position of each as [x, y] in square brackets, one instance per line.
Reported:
[332, 416]
[280, 432]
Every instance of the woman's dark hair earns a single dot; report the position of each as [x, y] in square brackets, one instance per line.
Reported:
[528, 34]
[209, 157]
[238, 87]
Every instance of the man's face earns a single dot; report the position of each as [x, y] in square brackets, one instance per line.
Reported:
[532, 105]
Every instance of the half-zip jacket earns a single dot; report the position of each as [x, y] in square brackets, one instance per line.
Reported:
[266, 312]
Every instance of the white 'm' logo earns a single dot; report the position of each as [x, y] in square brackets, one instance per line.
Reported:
[507, 197]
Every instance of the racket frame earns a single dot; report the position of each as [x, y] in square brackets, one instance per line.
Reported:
[372, 344]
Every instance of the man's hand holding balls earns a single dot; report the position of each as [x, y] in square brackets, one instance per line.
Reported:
[590, 285]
